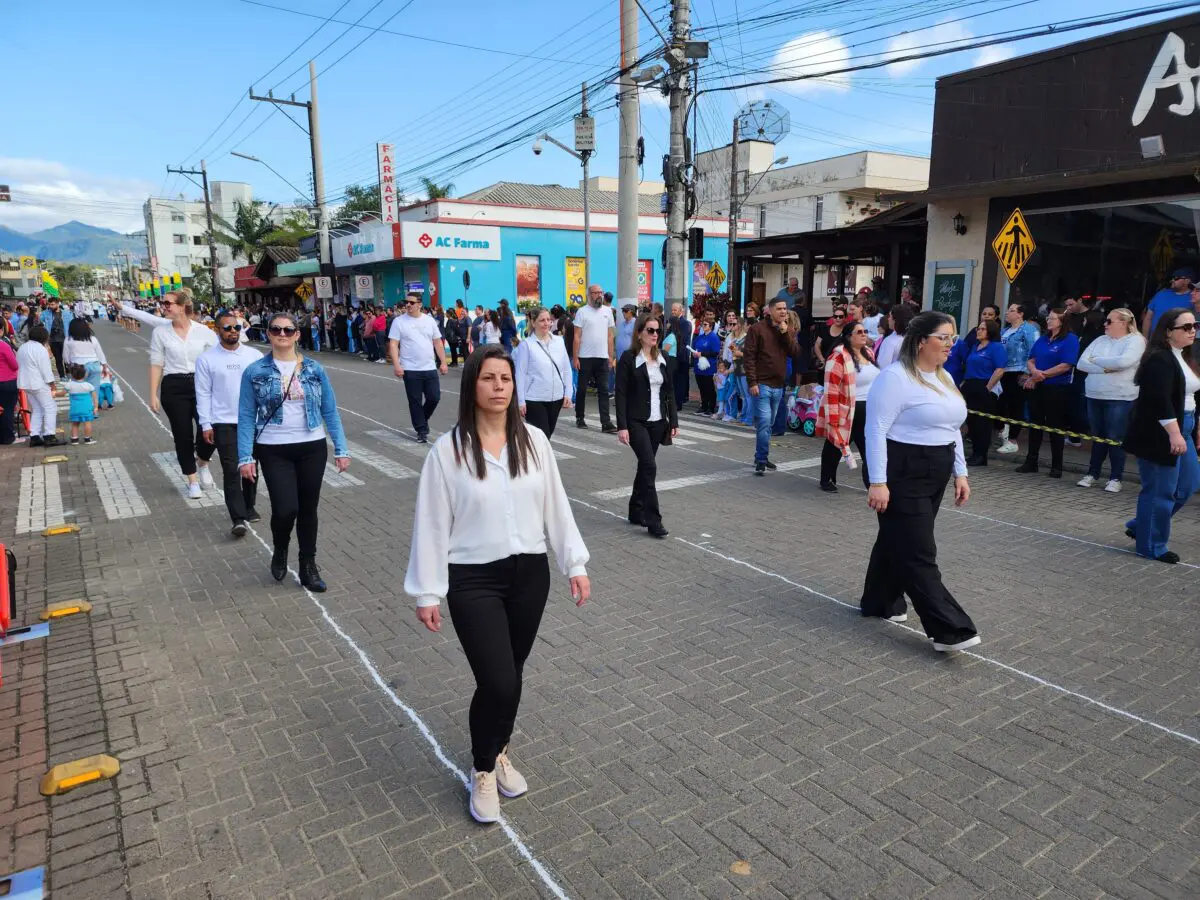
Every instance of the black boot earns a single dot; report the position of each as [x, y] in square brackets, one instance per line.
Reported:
[279, 564]
[310, 575]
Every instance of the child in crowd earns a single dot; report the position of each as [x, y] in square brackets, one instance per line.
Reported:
[85, 403]
[105, 397]
[726, 398]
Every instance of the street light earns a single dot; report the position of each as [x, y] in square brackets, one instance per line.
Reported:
[587, 216]
[268, 165]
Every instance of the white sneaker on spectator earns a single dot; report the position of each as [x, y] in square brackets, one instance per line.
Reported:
[1086, 481]
[193, 490]
[1008, 447]
[206, 479]
[1113, 486]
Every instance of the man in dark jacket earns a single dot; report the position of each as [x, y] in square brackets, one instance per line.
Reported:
[453, 331]
[770, 343]
[682, 329]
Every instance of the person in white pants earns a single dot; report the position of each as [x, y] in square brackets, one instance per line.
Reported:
[35, 376]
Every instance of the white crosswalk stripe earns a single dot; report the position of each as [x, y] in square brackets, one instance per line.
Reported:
[724, 432]
[118, 493]
[674, 484]
[169, 466]
[336, 479]
[680, 441]
[39, 500]
[379, 462]
[579, 445]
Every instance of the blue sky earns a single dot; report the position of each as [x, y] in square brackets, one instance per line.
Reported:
[122, 91]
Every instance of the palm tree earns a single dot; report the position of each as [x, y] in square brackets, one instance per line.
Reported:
[251, 231]
[436, 191]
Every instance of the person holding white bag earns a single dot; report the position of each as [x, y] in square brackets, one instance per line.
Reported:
[706, 350]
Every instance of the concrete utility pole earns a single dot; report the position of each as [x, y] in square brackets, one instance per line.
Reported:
[586, 155]
[212, 246]
[627, 189]
[730, 271]
[677, 186]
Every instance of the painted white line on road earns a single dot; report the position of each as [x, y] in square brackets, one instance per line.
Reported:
[582, 447]
[389, 377]
[39, 499]
[674, 484]
[118, 493]
[408, 445]
[169, 466]
[134, 349]
[336, 479]
[718, 433]
[380, 463]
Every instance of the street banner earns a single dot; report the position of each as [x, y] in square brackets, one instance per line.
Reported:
[28, 262]
[389, 200]
[529, 279]
[576, 290]
[645, 281]
[700, 286]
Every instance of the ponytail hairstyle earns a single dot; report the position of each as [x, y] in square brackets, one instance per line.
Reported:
[183, 297]
[920, 329]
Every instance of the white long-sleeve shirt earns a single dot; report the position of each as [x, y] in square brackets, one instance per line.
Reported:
[902, 410]
[537, 379]
[219, 383]
[1122, 354]
[462, 519]
[177, 355]
[888, 350]
[83, 352]
[132, 312]
[34, 369]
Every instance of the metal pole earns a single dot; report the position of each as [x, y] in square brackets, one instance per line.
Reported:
[212, 245]
[676, 287]
[587, 213]
[733, 203]
[627, 191]
[314, 134]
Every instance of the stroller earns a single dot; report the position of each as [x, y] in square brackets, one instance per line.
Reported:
[802, 405]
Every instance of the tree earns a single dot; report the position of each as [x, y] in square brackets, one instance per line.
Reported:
[360, 201]
[201, 283]
[437, 191]
[250, 231]
[290, 231]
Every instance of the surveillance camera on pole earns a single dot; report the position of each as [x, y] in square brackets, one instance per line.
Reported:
[537, 148]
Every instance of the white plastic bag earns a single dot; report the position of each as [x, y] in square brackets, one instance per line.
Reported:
[118, 394]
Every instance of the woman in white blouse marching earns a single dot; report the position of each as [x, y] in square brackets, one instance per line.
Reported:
[542, 368]
[489, 501]
[914, 444]
[174, 349]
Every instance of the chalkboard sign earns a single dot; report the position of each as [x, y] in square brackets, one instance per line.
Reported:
[949, 295]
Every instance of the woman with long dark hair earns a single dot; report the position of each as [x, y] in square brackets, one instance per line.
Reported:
[286, 409]
[850, 371]
[1162, 432]
[646, 415]
[1048, 384]
[82, 348]
[914, 445]
[489, 501]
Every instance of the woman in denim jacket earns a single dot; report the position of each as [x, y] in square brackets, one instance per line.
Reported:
[286, 409]
[1018, 338]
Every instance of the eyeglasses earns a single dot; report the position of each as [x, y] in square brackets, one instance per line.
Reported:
[858, 331]
[944, 338]
[231, 327]
[839, 315]
[285, 330]
[1186, 326]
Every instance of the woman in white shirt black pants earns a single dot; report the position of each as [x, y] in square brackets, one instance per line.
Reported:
[646, 417]
[489, 495]
[542, 367]
[914, 445]
[174, 349]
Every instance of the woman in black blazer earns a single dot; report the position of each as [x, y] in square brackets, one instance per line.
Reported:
[1162, 432]
[646, 415]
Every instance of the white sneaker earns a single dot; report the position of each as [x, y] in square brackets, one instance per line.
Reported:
[961, 645]
[1008, 447]
[485, 802]
[1113, 486]
[903, 617]
[1086, 481]
[511, 782]
[193, 490]
[206, 479]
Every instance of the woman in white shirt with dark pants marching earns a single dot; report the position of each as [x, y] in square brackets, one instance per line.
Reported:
[914, 444]
[542, 367]
[489, 501]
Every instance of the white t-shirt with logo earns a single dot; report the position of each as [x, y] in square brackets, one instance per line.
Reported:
[294, 427]
[594, 324]
[416, 335]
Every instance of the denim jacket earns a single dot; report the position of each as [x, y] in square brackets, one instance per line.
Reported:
[1017, 344]
[261, 392]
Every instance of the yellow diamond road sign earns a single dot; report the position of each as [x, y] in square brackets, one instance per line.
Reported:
[304, 290]
[715, 276]
[1014, 245]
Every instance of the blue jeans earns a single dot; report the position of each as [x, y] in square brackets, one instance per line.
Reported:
[1165, 489]
[741, 395]
[1108, 419]
[779, 426]
[766, 407]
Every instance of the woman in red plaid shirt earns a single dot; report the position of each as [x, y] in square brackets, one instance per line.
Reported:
[841, 420]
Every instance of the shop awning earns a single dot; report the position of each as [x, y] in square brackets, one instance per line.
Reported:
[299, 267]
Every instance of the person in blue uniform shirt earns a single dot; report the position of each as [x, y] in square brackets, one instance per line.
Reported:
[1179, 294]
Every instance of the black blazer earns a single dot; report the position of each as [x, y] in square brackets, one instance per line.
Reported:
[633, 391]
[1160, 396]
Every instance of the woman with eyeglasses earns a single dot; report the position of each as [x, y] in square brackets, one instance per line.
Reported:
[842, 416]
[1162, 432]
[1111, 361]
[829, 337]
[646, 417]
[1048, 386]
[286, 409]
[542, 365]
[914, 446]
[174, 349]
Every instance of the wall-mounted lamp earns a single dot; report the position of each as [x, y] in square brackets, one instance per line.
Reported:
[1152, 147]
[960, 224]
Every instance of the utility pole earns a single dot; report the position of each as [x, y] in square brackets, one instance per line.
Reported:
[585, 155]
[677, 186]
[212, 246]
[730, 272]
[627, 184]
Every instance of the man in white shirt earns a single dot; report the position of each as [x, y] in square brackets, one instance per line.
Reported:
[218, 389]
[594, 355]
[417, 356]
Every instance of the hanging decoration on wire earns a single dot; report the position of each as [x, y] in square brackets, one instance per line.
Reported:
[764, 120]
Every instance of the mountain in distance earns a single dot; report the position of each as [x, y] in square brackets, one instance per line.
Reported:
[73, 242]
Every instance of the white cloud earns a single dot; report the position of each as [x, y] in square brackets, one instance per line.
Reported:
[905, 44]
[994, 54]
[810, 55]
[651, 95]
[47, 193]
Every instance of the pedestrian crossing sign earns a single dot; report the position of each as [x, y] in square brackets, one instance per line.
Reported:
[304, 290]
[715, 277]
[1014, 245]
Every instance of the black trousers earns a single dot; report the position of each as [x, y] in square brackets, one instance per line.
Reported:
[1048, 404]
[831, 455]
[645, 439]
[496, 609]
[543, 414]
[593, 370]
[8, 409]
[1012, 401]
[306, 337]
[424, 392]
[293, 474]
[708, 392]
[975, 392]
[56, 347]
[904, 558]
[240, 493]
[458, 348]
[682, 382]
[178, 396]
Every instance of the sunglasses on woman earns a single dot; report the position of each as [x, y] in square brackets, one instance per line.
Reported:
[285, 330]
[1186, 326]
[650, 330]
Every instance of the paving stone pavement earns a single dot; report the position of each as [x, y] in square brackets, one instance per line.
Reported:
[714, 705]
